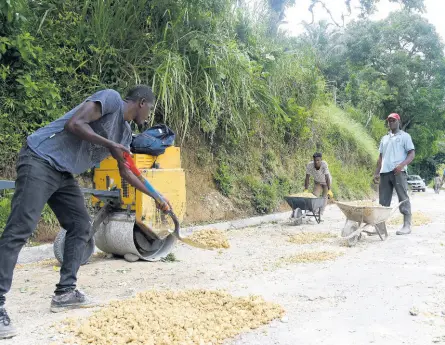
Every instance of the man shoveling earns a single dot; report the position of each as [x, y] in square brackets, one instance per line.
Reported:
[72, 144]
[396, 152]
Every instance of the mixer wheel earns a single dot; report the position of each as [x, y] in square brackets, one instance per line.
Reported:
[59, 247]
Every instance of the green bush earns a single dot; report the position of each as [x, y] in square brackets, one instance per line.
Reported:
[258, 103]
[46, 228]
[264, 196]
[224, 178]
[5, 209]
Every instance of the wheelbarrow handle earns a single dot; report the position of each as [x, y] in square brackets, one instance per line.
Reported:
[396, 207]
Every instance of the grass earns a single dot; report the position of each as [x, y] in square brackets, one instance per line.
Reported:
[47, 227]
[170, 258]
[346, 132]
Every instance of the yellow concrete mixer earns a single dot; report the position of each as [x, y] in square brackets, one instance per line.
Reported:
[127, 222]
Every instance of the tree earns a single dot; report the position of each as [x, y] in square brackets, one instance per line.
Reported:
[366, 8]
[392, 65]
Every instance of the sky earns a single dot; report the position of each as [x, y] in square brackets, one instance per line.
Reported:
[435, 10]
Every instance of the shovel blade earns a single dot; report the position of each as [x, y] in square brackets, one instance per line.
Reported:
[193, 243]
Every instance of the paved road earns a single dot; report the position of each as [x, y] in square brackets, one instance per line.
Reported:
[362, 297]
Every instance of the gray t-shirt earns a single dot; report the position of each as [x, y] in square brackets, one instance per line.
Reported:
[68, 153]
[320, 174]
[394, 149]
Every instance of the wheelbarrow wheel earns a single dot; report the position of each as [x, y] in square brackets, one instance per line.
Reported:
[354, 240]
[348, 229]
[297, 216]
[59, 247]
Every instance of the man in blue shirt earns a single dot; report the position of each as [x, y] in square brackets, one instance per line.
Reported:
[72, 144]
[396, 152]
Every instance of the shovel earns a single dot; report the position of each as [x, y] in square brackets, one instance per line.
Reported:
[129, 163]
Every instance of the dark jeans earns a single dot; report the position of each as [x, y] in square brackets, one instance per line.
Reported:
[37, 184]
[389, 181]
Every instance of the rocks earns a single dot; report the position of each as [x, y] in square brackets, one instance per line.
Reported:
[414, 311]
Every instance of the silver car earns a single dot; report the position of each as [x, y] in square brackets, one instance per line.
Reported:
[416, 183]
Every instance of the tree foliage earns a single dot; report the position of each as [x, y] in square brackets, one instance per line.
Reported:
[392, 65]
[226, 73]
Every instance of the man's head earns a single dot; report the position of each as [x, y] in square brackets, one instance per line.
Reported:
[317, 160]
[140, 100]
[393, 121]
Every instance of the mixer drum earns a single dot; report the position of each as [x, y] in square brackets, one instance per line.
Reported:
[120, 235]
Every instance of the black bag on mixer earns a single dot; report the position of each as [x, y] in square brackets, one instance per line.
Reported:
[153, 141]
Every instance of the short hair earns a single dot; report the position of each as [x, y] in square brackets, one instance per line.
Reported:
[138, 92]
[317, 154]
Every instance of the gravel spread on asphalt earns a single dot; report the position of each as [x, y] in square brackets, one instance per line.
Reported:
[309, 257]
[310, 237]
[210, 238]
[192, 317]
[418, 219]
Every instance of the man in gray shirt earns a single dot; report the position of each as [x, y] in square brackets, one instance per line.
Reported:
[396, 152]
[72, 144]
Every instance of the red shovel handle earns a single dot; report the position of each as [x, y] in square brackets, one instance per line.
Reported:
[129, 163]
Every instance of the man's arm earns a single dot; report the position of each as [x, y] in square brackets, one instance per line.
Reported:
[132, 179]
[306, 182]
[377, 169]
[408, 160]
[78, 125]
[328, 181]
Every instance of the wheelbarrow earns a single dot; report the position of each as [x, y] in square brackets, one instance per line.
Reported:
[360, 218]
[305, 207]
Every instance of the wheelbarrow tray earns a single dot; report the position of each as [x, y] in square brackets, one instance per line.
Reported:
[313, 205]
[371, 215]
[308, 204]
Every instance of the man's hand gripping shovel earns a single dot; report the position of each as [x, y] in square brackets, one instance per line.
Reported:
[163, 204]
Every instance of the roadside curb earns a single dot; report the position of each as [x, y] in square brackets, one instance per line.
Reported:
[45, 251]
[241, 223]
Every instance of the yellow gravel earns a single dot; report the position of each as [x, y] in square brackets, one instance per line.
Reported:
[363, 203]
[194, 317]
[419, 218]
[310, 237]
[308, 257]
[303, 195]
[210, 238]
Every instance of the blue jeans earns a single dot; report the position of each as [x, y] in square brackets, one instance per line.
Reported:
[39, 183]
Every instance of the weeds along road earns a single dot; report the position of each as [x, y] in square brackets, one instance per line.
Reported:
[365, 296]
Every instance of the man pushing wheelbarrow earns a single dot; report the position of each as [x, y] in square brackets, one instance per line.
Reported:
[396, 153]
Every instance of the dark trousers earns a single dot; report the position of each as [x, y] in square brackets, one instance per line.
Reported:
[389, 181]
[37, 184]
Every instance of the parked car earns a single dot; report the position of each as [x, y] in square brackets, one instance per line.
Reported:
[416, 183]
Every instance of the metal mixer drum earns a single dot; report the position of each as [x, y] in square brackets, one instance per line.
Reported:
[120, 235]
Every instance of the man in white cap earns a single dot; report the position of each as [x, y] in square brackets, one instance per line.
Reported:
[396, 152]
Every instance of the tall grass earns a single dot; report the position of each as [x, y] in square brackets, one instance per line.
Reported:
[258, 99]
[350, 139]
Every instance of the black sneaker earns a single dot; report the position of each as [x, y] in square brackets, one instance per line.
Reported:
[70, 300]
[7, 330]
